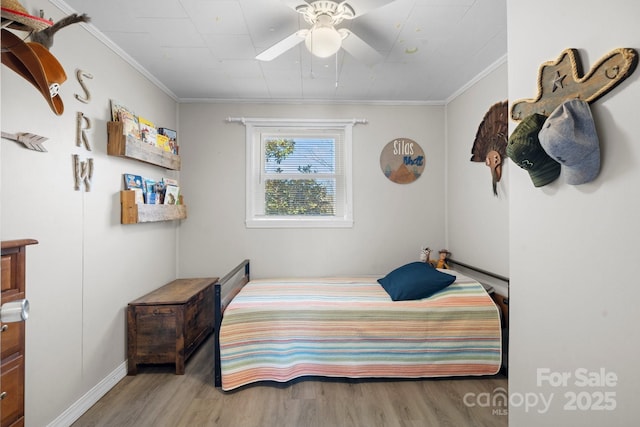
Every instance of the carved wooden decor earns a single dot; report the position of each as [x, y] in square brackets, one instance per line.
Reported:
[29, 140]
[82, 172]
[81, 135]
[563, 79]
[81, 75]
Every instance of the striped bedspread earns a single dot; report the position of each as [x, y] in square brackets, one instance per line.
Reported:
[350, 327]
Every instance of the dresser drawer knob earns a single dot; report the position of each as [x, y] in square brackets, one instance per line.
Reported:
[3, 395]
[4, 328]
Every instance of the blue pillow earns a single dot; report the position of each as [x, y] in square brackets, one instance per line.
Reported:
[415, 280]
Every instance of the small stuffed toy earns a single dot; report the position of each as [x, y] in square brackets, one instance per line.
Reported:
[443, 261]
[425, 255]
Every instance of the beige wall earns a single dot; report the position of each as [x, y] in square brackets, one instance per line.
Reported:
[391, 221]
[574, 249]
[477, 221]
[87, 266]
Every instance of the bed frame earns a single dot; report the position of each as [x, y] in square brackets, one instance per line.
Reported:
[223, 292]
[229, 286]
[480, 270]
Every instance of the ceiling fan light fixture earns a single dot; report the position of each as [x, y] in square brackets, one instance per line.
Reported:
[323, 40]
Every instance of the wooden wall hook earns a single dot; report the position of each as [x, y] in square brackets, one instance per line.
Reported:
[562, 79]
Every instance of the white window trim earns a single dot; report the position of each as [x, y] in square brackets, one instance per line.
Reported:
[253, 165]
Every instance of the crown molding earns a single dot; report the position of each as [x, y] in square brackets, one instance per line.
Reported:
[65, 8]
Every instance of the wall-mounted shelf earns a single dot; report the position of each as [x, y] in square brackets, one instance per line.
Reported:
[133, 213]
[119, 145]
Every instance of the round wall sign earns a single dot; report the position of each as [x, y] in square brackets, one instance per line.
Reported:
[402, 160]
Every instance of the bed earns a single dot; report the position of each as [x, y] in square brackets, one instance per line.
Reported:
[349, 327]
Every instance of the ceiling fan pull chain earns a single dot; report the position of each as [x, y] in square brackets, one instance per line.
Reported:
[311, 67]
[336, 70]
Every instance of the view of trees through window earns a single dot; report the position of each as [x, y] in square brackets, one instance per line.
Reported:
[300, 176]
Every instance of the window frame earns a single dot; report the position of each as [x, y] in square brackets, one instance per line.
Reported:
[255, 163]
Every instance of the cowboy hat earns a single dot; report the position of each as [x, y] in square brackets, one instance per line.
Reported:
[12, 10]
[35, 64]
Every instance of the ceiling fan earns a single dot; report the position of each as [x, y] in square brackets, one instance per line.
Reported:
[323, 39]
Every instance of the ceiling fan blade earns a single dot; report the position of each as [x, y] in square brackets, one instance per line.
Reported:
[360, 50]
[281, 47]
[293, 4]
[360, 7]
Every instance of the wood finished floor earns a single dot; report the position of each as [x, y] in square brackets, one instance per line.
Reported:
[156, 397]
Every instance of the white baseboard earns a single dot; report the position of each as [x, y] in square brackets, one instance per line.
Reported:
[83, 404]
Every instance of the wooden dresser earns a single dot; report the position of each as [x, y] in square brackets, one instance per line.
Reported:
[167, 325]
[12, 335]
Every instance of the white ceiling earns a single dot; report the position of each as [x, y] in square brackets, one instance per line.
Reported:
[205, 49]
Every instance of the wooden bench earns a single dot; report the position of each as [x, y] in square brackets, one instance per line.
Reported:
[168, 324]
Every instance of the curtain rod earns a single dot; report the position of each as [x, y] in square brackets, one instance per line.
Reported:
[480, 270]
[271, 120]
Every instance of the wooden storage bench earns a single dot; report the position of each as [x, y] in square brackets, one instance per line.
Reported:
[167, 325]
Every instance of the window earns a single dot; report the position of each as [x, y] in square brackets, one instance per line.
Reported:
[299, 173]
